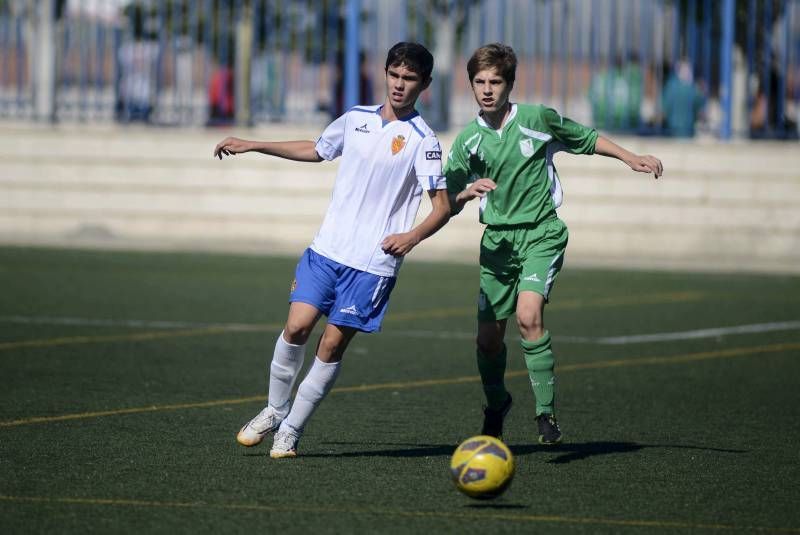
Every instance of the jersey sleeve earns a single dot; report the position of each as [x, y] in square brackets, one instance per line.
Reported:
[577, 138]
[331, 142]
[457, 171]
[428, 164]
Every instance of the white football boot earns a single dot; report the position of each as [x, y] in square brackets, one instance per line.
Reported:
[254, 431]
[285, 443]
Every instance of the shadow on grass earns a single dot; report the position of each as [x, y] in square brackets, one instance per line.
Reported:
[581, 451]
[566, 452]
[494, 505]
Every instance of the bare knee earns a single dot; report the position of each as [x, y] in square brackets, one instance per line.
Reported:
[334, 342]
[330, 350]
[531, 326]
[530, 315]
[296, 332]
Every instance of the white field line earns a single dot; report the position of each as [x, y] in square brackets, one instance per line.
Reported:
[701, 333]
[416, 333]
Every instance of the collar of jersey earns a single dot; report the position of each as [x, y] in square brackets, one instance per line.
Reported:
[510, 117]
[404, 119]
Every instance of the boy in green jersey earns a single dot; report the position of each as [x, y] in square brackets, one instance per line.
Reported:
[505, 158]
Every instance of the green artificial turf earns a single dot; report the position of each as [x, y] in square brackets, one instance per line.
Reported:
[124, 378]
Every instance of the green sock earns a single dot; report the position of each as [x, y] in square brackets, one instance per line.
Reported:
[539, 360]
[493, 371]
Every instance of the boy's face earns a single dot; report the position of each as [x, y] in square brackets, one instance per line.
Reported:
[403, 86]
[491, 90]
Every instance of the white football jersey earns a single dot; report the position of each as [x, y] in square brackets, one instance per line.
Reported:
[378, 188]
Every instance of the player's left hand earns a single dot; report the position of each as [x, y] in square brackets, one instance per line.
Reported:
[647, 164]
[399, 244]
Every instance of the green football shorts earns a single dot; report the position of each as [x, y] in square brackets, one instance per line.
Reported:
[517, 258]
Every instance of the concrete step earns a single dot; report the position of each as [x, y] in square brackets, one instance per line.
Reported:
[724, 206]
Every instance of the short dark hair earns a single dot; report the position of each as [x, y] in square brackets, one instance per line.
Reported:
[494, 56]
[414, 56]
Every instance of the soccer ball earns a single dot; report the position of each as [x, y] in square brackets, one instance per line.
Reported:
[482, 467]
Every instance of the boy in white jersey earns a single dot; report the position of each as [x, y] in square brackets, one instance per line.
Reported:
[505, 158]
[389, 155]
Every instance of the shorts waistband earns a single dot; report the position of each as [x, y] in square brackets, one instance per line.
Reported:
[522, 226]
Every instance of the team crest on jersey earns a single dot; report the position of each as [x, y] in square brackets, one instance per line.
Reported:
[398, 143]
[293, 286]
[526, 147]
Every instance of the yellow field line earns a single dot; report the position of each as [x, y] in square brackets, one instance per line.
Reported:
[545, 519]
[132, 410]
[641, 361]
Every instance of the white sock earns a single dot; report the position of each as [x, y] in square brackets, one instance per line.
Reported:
[315, 386]
[286, 363]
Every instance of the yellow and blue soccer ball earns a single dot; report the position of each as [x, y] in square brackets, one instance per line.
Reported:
[482, 467]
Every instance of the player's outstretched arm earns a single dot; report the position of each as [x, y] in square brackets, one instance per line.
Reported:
[401, 244]
[301, 151]
[642, 163]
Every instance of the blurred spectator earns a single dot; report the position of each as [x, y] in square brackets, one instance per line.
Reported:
[221, 96]
[771, 113]
[615, 96]
[137, 60]
[681, 101]
[267, 86]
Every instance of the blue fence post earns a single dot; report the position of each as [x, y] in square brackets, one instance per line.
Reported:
[352, 46]
[726, 66]
[691, 34]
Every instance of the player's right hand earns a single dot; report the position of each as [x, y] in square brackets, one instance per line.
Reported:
[231, 146]
[480, 188]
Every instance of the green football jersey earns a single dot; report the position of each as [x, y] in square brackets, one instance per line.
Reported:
[519, 158]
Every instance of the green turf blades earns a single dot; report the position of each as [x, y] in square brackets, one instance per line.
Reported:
[127, 423]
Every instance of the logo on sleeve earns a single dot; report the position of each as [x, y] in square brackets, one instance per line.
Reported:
[433, 155]
[363, 129]
[398, 143]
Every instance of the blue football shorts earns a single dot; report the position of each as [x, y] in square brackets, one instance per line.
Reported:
[348, 296]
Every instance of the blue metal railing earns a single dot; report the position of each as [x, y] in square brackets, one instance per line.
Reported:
[635, 66]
